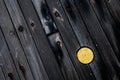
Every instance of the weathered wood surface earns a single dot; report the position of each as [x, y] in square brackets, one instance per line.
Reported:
[39, 39]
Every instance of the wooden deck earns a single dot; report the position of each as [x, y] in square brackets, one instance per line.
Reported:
[39, 39]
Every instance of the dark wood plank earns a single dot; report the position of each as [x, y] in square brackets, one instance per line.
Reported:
[39, 37]
[114, 8]
[7, 63]
[62, 57]
[95, 29]
[2, 77]
[68, 71]
[97, 66]
[14, 44]
[46, 19]
[109, 25]
[69, 38]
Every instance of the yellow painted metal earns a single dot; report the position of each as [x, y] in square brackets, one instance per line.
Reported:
[85, 55]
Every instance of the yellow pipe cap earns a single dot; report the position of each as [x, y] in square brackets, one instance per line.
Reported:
[85, 55]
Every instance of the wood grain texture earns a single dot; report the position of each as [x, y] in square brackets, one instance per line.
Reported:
[39, 39]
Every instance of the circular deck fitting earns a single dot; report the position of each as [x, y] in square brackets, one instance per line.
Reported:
[85, 55]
